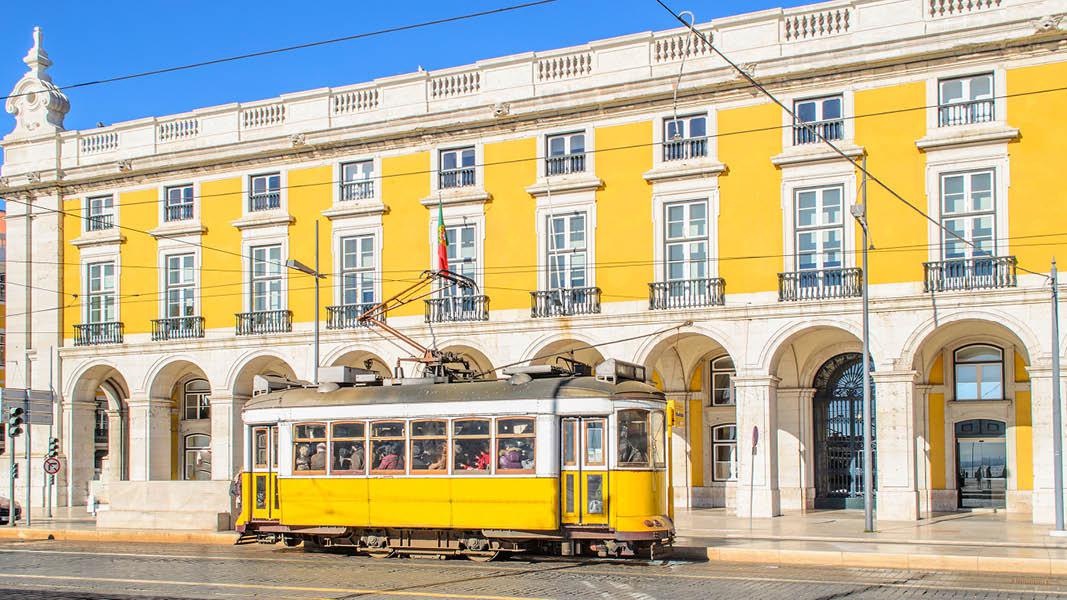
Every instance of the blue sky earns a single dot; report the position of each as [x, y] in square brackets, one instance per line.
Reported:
[96, 39]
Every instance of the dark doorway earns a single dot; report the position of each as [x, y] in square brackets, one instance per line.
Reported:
[838, 421]
[981, 464]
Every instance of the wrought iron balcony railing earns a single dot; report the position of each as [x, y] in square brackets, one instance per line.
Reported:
[831, 129]
[346, 316]
[454, 178]
[100, 222]
[686, 293]
[264, 201]
[92, 334]
[457, 308]
[565, 165]
[357, 190]
[264, 322]
[825, 284]
[965, 113]
[981, 272]
[180, 212]
[565, 301]
[685, 149]
[100, 435]
[177, 328]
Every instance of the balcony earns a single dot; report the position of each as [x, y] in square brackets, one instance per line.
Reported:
[177, 328]
[687, 293]
[100, 222]
[565, 165]
[805, 133]
[826, 284]
[565, 302]
[346, 316]
[95, 334]
[685, 149]
[264, 322]
[265, 201]
[965, 113]
[451, 309]
[180, 212]
[979, 273]
[456, 178]
[100, 434]
[357, 190]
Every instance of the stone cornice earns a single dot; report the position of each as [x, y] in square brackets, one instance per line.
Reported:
[99, 238]
[815, 153]
[266, 218]
[967, 135]
[685, 169]
[177, 229]
[355, 209]
[586, 182]
[458, 197]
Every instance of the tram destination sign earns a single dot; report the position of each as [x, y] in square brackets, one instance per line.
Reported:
[38, 404]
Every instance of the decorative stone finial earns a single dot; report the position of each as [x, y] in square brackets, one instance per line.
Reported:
[36, 102]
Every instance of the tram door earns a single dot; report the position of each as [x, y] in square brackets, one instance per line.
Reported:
[584, 470]
[265, 473]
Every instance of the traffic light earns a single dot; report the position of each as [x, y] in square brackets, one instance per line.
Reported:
[53, 447]
[14, 421]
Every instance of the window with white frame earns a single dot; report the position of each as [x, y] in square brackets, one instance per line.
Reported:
[357, 270]
[724, 453]
[686, 240]
[357, 180]
[181, 286]
[462, 255]
[197, 457]
[267, 275]
[178, 203]
[965, 100]
[819, 228]
[100, 305]
[196, 400]
[265, 192]
[685, 137]
[979, 373]
[722, 381]
[100, 213]
[565, 153]
[456, 168]
[567, 251]
[968, 211]
[822, 115]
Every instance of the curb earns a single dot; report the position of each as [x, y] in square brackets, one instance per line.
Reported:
[220, 538]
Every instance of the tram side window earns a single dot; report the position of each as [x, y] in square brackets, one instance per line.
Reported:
[515, 445]
[659, 444]
[309, 448]
[429, 447]
[470, 439]
[348, 448]
[387, 447]
[633, 438]
[260, 445]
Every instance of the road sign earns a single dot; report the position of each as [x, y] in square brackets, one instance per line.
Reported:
[38, 404]
[51, 466]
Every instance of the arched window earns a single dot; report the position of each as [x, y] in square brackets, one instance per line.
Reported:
[724, 452]
[722, 381]
[197, 457]
[979, 373]
[196, 400]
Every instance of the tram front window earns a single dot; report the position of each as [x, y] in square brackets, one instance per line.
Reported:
[471, 445]
[633, 438]
[515, 445]
[309, 448]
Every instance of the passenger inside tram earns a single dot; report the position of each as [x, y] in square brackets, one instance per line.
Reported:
[388, 457]
[303, 457]
[318, 458]
[472, 455]
[633, 437]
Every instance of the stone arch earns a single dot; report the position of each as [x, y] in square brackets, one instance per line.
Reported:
[549, 353]
[97, 432]
[262, 363]
[795, 353]
[174, 381]
[165, 374]
[972, 324]
[678, 358]
[358, 357]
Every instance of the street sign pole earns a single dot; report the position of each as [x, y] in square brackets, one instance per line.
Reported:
[11, 478]
[29, 467]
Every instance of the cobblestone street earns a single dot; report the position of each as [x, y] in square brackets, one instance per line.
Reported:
[60, 570]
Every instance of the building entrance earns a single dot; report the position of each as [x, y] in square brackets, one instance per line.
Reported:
[981, 464]
[838, 421]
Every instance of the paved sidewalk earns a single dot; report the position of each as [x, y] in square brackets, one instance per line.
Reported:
[77, 525]
[954, 541]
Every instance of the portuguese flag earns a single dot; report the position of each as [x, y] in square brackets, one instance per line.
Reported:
[442, 239]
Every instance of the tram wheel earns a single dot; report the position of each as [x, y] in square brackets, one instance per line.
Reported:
[381, 554]
[483, 556]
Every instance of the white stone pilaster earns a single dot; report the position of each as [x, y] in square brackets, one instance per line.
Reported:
[150, 443]
[895, 435]
[227, 436]
[1041, 419]
[757, 480]
[78, 446]
[795, 458]
[681, 457]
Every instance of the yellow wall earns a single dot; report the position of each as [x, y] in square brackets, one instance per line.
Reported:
[1024, 438]
[406, 227]
[310, 193]
[139, 287]
[750, 206]
[72, 227]
[510, 235]
[936, 426]
[221, 276]
[696, 427]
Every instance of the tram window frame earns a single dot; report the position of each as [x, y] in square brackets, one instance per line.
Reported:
[502, 438]
[335, 439]
[658, 439]
[401, 440]
[413, 439]
[274, 447]
[586, 425]
[256, 431]
[635, 464]
[569, 443]
[299, 439]
[456, 469]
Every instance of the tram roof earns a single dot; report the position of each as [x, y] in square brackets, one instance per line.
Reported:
[501, 389]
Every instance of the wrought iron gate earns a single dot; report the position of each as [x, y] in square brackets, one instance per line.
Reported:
[838, 419]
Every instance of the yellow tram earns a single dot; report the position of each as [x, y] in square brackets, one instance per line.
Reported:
[545, 461]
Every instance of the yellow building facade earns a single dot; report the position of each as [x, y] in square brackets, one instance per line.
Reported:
[631, 198]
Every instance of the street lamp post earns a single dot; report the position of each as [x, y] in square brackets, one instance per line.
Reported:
[296, 265]
[859, 212]
[1057, 417]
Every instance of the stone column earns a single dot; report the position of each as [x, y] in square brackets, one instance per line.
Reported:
[681, 463]
[79, 448]
[894, 410]
[116, 447]
[227, 436]
[757, 478]
[1041, 419]
[150, 448]
[923, 476]
[795, 471]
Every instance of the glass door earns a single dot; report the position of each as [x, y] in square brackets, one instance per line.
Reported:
[584, 470]
[981, 464]
[265, 473]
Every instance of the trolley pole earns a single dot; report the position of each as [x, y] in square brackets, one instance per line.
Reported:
[1057, 416]
[859, 212]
